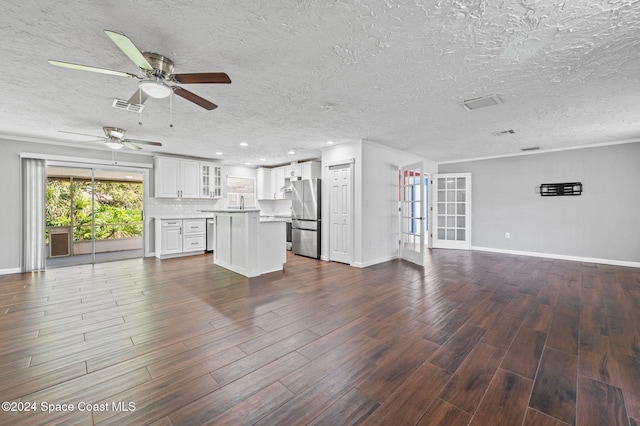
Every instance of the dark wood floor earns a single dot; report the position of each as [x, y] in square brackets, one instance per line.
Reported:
[473, 337]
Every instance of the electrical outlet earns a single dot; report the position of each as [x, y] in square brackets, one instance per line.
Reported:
[507, 235]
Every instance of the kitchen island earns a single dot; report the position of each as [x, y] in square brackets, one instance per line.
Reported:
[247, 245]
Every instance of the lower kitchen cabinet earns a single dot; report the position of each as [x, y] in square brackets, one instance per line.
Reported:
[179, 237]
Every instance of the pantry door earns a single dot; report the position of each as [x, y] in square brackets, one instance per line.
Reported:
[452, 216]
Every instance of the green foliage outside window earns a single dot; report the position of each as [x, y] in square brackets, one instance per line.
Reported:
[118, 208]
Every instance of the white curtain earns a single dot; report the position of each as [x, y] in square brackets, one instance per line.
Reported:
[33, 214]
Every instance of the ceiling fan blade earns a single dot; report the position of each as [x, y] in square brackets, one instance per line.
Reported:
[92, 69]
[190, 96]
[138, 98]
[142, 142]
[98, 140]
[130, 145]
[202, 77]
[81, 134]
[129, 49]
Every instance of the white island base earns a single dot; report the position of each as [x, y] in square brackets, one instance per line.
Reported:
[248, 246]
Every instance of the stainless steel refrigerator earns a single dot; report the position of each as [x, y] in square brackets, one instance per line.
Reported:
[305, 217]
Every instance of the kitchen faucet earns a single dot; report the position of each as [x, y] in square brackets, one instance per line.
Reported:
[242, 202]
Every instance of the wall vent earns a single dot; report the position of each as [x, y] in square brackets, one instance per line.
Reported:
[120, 104]
[483, 102]
[533, 148]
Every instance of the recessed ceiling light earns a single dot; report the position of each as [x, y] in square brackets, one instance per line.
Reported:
[263, 159]
[330, 143]
[291, 152]
[244, 144]
[247, 163]
[218, 153]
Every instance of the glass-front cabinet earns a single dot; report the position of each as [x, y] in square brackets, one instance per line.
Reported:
[210, 181]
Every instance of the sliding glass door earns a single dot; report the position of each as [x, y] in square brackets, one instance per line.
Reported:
[93, 215]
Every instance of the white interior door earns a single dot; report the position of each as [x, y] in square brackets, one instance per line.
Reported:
[340, 221]
[452, 216]
[412, 213]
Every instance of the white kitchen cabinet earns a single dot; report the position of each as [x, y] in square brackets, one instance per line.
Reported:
[194, 235]
[178, 237]
[263, 177]
[277, 182]
[175, 178]
[170, 238]
[311, 170]
[293, 170]
[210, 181]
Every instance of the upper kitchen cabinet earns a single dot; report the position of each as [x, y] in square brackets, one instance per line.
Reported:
[210, 181]
[264, 189]
[311, 170]
[176, 178]
[271, 181]
[277, 182]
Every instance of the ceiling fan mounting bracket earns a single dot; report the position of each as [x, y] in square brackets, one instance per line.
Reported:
[114, 132]
[162, 66]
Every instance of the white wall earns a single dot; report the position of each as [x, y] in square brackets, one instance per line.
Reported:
[376, 227]
[599, 225]
[380, 223]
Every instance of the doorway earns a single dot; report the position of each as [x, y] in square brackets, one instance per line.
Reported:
[93, 215]
[413, 186]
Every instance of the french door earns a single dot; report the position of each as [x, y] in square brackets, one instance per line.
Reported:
[452, 218]
[413, 223]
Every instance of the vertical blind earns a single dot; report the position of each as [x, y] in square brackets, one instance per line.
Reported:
[33, 214]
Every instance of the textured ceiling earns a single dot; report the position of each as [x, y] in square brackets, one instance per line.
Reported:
[310, 71]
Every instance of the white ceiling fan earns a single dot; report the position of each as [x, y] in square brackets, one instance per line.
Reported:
[114, 139]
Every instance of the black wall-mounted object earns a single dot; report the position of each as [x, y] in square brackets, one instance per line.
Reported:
[556, 189]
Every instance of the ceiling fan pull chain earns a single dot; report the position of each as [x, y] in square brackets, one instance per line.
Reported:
[171, 109]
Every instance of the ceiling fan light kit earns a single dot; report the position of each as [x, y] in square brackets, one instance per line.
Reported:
[114, 144]
[155, 88]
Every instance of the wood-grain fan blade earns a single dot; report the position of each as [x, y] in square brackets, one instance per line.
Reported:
[202, 77]
[92, 69]
[128, 48]
[190, 96]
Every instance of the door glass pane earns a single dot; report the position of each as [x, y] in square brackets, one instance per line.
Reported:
[462, 183]
[460, 234]
[451, 234]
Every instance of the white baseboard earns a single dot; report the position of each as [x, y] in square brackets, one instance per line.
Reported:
[10, 271]
[561, 257]
[372, 262]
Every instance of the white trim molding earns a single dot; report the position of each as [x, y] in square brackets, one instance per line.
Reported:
[560, 257]
[64, 158]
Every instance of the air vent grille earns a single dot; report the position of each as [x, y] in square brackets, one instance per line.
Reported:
[120, 104]
[483, 102]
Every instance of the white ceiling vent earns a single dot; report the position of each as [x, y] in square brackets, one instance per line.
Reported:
[477, 103]
[120, 104]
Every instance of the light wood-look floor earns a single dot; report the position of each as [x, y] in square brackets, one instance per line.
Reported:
[473, 337]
